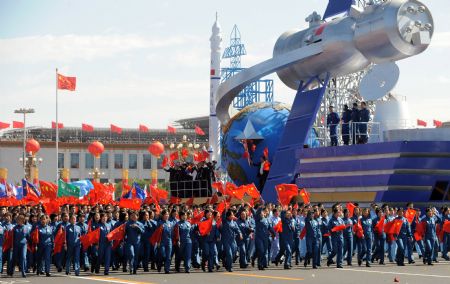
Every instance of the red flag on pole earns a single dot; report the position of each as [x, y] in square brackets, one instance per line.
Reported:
[4, 125]
[60, 239]
[199, 131]
[190, 201]
[205, 227]
[117, 234]
[278, 228]
[60, 125]
[174, 156]
[286, 192]
[50, 205]
[174, 200]
[116, 129]
[410, 214]
[133, 204]
[171, 129]
[143, 128]
[358, 229]
[305, 196]
[437, 123]
[48, 189]
[8, 242]
[157, 235]
[87, 127]
[338, 228]
[379, 227]
[18, 124]
[253, 191]
[420, 231]
[421, 123]
[351, 208]
[446, 226]
[66, 83]
[90, 238]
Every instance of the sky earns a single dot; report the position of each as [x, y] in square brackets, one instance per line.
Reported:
[147, 61]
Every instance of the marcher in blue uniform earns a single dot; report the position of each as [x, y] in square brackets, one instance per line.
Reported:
[365, 244]
[345, 129]
[59, 257]
[230, 231]
[84, 256]
[147, 250]
[364, 118]
[325, 231]
[94, 224]
[8, 254]
[379, 237]
[430, 236]
[45, 246]
[446, 239]
[119, 252]
[73, 234]
[288, 225]
[299, 224]
[209, 249]
[333, 122]
[133, 233]
[337, 238]
[312, 238]
[165, 247]
[104, 246]
[404, 238]
[355, 123]
[262, 232]
[348, 237]
[243, 244]
[21, 235]
[185, 243]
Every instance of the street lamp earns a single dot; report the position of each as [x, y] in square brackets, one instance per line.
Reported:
[24, 111]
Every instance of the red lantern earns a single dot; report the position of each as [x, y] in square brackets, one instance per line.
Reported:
[96, 149]
[32, 146]
[156, 149]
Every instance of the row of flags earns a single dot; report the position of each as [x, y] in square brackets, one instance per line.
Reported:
[89, 128]
[436, 123]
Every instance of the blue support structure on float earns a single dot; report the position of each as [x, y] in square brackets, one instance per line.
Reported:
[261, 90]
[301, 119]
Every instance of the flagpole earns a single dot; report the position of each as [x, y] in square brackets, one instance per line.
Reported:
[57, 128]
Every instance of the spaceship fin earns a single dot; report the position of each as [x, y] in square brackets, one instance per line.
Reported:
[336, 7]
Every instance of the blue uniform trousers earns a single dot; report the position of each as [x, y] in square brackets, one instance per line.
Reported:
[337, 249]
[44, 257]
[262, 251]
[364, 249]
[379, 246]
[348, 249]
[165, 254]
[132, 253]
[185, 255]
[288, 248]
[104, 255]
[20, 257]
[209, 254]
[243, 246]
[429, 249]
[73, 252]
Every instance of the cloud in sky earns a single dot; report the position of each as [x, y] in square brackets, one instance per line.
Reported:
[67, 48]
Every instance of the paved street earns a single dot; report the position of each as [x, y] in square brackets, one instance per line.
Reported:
[417, 273]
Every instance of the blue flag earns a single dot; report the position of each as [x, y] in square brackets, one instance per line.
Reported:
[140, 193]
[85, 186]
[2, 190]
[29, 186]
[18, 192]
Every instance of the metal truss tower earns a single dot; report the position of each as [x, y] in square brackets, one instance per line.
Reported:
[261, 90]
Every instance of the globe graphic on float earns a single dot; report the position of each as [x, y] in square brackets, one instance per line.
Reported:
[268, 120]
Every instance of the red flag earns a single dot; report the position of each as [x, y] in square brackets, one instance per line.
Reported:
[171, 129]
[48, 189]
[222, 206]
[174, 156]
[266, 153]
[90, 238]
[60, 125]
[4, 125]
[164, 162]
[197, 217]
[351, 208]
[18, 124]
[214, 199]
[393, 227]
[357, 228]
[338, 228]
[218, 186]
[278, 228]
[410, 214]
[439, 232]
[116, 129]
[420, 231]
[184, 153]
[133, 204]
[421, 123]
[51, 206]
[174, 200]
[303, 233]
[35, 236]
[446, 227]
[205, 227]
[252, 191]
[87, 127]
[379, 227]
[60, 239]
[190, 201]
[305, 196]
[143, 128]
[437, 123]
[117, 234]
[157, 235]
[66, 83]
[199, 131]
[286, 192]
[238, 192]
[9, 240]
